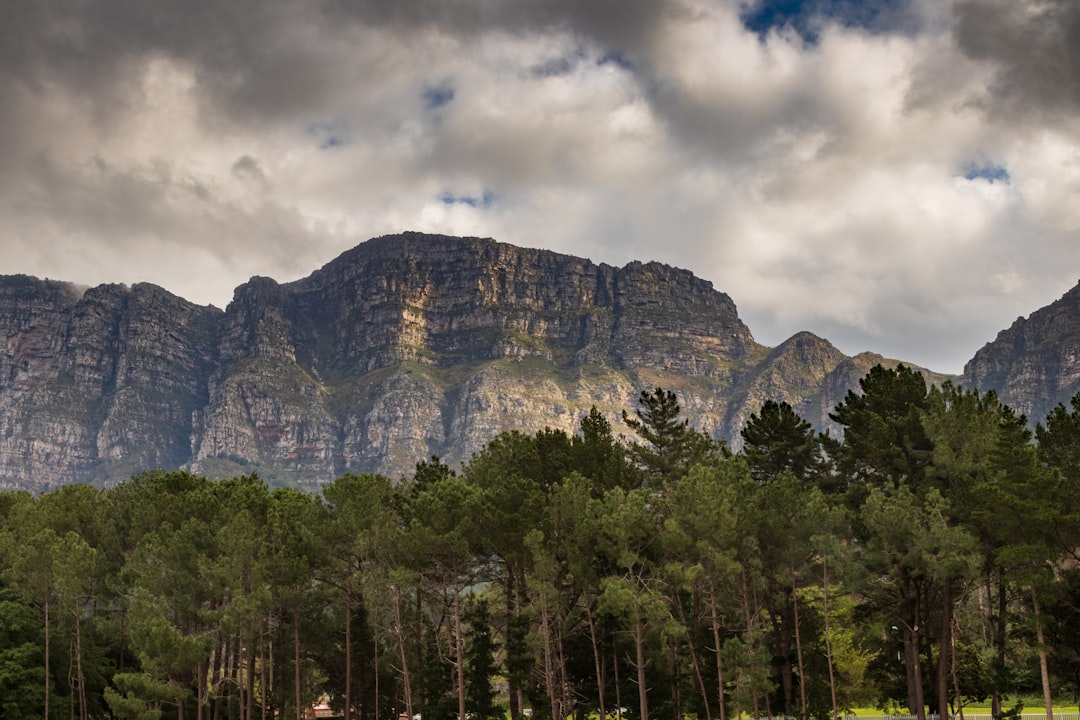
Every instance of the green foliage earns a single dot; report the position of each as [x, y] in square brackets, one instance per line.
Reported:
[21, 663]
[670, 446]
[480, 661]
[571, 573]
[778, 440]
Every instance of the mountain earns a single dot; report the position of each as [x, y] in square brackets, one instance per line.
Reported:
[405, 346]
[1034, 364]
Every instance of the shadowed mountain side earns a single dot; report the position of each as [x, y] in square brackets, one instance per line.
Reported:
[1034, 364]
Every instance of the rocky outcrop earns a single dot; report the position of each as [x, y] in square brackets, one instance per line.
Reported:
[1035, 364]
[98, 383]
[405, 346]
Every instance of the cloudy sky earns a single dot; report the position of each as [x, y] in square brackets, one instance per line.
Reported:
[901, 176]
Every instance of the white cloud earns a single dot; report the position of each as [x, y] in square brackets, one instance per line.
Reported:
[821, 184]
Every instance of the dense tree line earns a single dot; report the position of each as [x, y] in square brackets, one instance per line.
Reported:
[926, 559]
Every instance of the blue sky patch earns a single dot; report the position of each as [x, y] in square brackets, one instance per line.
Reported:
[807, 16]
[437, 97]
[481, 202]
[993, 173]
[328, 135]
[617, 59]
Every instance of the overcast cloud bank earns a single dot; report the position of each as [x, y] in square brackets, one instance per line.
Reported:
[902, 177]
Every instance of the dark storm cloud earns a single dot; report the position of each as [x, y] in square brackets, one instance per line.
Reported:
[828, 184]
[257, 60]
[1035, 46]
[623, 25]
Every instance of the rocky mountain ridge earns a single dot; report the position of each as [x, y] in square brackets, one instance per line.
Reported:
[1035, 363]
[405, 346]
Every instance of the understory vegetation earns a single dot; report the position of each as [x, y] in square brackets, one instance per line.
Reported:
[927, 559]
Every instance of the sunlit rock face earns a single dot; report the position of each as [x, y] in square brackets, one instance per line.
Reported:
[404, 347]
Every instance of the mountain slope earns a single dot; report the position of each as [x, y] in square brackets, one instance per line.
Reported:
[1035, 363]
[402, 347]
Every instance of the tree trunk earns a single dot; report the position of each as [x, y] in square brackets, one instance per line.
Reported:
[512, 609]
[47, 673]
[296, 662]
[406, 680]
[1044, 670]
[828, 636]
[348, 656]
[943, 653]
[676, 696]
[695, 663]
[750, 637]
[798, 645]
[956, 672]
[618, 690]
[80, 678]
[718, 649]
[997, 624]
[911, 619]
[782, 651]
[639, 649]
[549, 665]
[263, 685]
[251, 678]
[459, 648]
[596, 663]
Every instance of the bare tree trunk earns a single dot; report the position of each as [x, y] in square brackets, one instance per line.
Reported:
[459, 648]
[375, 664]
[296, 662]
[999, 642]
[47, 689]
[406, 680]
[749, 632]
[695, 664]
[251, 678]
[718, 649]
[80, 678]
[639, 649]
[596, 663]
[200, 689]
[798, 645]
[828, 637]
[1044, 670]
[618, 691]
[549, 665]
[348, 656]
[71, 682]
[913, 656]
[263, 687]
[215, 676]
[943, 654]
[560, 665]
[956, 672]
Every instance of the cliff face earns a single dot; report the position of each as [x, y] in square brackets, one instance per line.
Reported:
[412, 345]
[98, 383]
[1035, 364]
[403, 347]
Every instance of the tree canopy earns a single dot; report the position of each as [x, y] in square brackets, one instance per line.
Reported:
[924, 559]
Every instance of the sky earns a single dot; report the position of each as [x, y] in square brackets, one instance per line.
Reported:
[898, 176]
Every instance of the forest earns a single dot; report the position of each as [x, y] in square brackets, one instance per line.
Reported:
[926, 558]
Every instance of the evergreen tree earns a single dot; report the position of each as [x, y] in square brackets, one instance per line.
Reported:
[884, 438]
[778, 440]
[670, 446]
[479, 661]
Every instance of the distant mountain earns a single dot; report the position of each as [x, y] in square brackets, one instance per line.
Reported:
[1035, 364]
[405, 346]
